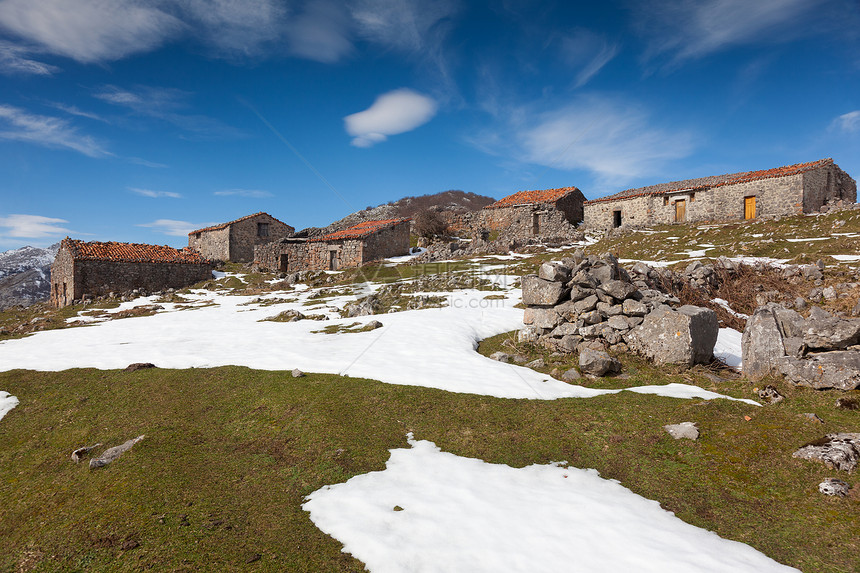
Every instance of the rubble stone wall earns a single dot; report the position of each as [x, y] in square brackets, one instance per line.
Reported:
[827, 185]
[214, 245]
[236, 241]
[533, 220]
[63, 279]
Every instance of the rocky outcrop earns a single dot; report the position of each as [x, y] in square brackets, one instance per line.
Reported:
[836, 451]
[592, 302]
[820, 351]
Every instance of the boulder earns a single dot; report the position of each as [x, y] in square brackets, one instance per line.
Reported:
[632, 307]
[597, 362]
[761, 345]
[541, 317]
[831, 333]
[836, 451]
[834, 487]
[540, 292]
[527, 334]
[554, 272]
[686, 430]
[535, 364]
[839, 369]
[500, 356]
[619, 290]
[571, 375]
[585, 305]
[139, 366]
[297, 373]
[686, 336]
[111, 454]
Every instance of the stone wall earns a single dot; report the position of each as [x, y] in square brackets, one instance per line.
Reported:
[286, 255]
[235, 242]
[63, 279]
[776, 196]
[534, 220]
[392, 242]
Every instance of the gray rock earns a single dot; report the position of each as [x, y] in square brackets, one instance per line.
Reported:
[81, 453]
[571, 375]
[501, 357]
[761, 344]
[554, 272]
[583, 279]
[686, 430]
[800, 303]
[839, 369]
[534, 364]
[297, 373]
[520, 358]
[579, 293]
[111, 454]
[597, 362]
[540, 292]
[829, 293]
[139, 366]
[632, 307]
[812, 417]
[770, 395]
[619, 290]
[541, 317]
[836, 451]
[569, 343]
[831, 333]
[592, 317]
[587, 304]
[565, 329]
[818, 313]
[614, 310]
[686, 336]
[527, 334]
[373, 325]
[834, 487]
[856, 310]
[618, 323]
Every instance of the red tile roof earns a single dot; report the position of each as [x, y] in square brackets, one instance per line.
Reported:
[360, 231]
[131, 252]
[225, 225]
[715, 181]
[532, 197]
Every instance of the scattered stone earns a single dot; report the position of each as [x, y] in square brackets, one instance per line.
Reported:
[554, 272]
[856, 310]
[139, 366]
[540, 292]
[535, 364]
[847, 403]
[829, 293]
[297, 373]
[571, 375]
[527, 334]
[619, 290]
[770, 395]
[597, 362]
[687, 430]
[373, 325]
[840, 370]
[812, 417]
[501, 357]
[520, 358]
[253, 558]
[800, 303]
[130, 544]
[81, 453]
[834, 487]
[686, 336]
[836, 451]
[111, 454]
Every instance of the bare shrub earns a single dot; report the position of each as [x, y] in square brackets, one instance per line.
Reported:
[428, 224]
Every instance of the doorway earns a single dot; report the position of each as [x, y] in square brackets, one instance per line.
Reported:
[284, 263]
[536, 224]
[616, 219]
[680, 210]
[749, 208]
[332, 260]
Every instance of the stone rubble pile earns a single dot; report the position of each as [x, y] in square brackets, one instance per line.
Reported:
[592, 302]
[821, 351]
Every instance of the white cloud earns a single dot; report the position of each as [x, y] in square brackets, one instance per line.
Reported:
[689, 30]
[394, 112]
[587, 51]
[89, 31]
[18, 125]
[403, 24]
[235, 28]
[32, 226]
[15, 60]
[174, 228]
[155, 194]
[320, 32]
[250, 193]
[848, 122]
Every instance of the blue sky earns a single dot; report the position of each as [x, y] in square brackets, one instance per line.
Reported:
[139, 120]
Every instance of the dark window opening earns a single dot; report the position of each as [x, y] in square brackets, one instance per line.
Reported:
[665, 201]
[535, 224]
[616, 219]
[262, 229]
[692, 197]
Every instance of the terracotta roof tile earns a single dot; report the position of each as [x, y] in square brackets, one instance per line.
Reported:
[532, 197]
[360, 231]
[239, 220]
[715, 181]
[131, 252]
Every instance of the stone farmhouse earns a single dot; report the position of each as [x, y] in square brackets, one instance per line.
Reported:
[352, 247]
[547, 213]
[794, 189]
[94, 269]
[235, 241]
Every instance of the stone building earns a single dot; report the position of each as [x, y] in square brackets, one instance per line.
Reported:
[551, 213]
[235, 241]
[800, 188]
[352, 247]
[95, 269]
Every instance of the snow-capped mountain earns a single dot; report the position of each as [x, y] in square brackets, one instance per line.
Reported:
[25, 275]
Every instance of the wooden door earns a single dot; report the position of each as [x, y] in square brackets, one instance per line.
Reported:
[680, 211]
[332, 260]
[749, 207]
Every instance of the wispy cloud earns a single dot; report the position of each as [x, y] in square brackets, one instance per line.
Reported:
[688, 30]
[89, 31]
[174, 228]
[15, 60]
[249, 193]
[613, 139]
[588, 51]
[32, 227]
[235, 29]
[154, 194]
[320, 32]
[74, 110]
[394, 112]
[847, 122]
[145, 163]
[18, 125]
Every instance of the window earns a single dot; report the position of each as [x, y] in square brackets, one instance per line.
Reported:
[262, 229]
[665, 201]
[692, 197]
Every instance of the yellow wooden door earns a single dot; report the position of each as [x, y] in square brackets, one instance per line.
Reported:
[680, 211]
[749, 207]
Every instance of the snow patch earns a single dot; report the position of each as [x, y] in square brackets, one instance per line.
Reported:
[7, 402]
[728, 348]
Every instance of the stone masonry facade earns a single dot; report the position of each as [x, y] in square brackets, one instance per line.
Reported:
[94, 269]
[235, 241]
[795, 189]
[550, 213]
[358, 245]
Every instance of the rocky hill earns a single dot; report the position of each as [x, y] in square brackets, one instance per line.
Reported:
[454, 201]
[25, 275]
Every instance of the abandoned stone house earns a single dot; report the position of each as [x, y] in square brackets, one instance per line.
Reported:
[794, 189]
[95, 269]
[360, 244]
[546, 213]
[235, 241]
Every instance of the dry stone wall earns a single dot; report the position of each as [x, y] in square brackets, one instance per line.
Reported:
[236, 241]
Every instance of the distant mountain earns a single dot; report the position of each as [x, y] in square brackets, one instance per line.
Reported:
[454, 201]
[25, 275]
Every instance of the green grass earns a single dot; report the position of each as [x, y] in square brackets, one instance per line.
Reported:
[236, 450]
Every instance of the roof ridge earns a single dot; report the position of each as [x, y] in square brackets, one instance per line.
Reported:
[228, 223]
[360, 230]
[528, 197]
[131, 252]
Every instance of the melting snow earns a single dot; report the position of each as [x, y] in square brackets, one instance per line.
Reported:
[463, 514]
[7, 402]
[728, 348]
